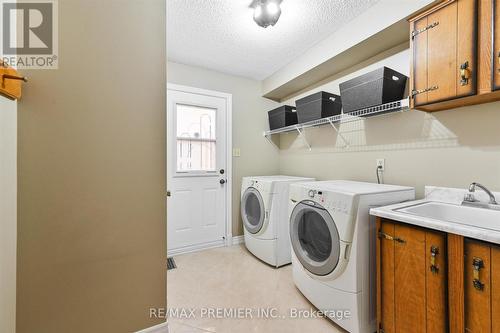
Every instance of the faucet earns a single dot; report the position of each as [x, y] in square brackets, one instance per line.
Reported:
[470, 199]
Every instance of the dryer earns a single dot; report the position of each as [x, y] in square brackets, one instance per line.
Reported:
[333, 247]
[264, 211]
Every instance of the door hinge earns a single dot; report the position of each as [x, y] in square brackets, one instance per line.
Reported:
[389, 237]
[421, 91]
[419, 31]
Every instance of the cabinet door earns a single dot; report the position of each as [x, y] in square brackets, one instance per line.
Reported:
[411, 274]
[409, 281]
[436, 271]
[444, 48]
[495, 289]
[496, 46]
[385, 277]
[477, 287]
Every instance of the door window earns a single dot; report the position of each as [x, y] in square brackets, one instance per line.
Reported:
[196, 139]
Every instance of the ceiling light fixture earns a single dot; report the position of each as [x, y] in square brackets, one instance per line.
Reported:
[266, 12]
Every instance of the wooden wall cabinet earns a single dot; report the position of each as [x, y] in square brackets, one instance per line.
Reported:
[455, 55]
[411, 279]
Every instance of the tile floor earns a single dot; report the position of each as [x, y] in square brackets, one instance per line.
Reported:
[233, 278]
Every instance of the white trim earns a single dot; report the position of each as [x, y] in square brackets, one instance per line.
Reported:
[196, 248]
[238, 240]
[229, 155]
[161, 328]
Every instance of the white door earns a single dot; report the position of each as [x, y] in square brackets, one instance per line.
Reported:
[196, 170]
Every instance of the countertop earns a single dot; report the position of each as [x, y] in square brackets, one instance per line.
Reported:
[437, 195]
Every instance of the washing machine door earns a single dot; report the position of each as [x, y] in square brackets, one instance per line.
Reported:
[252, 210]
[315, 238]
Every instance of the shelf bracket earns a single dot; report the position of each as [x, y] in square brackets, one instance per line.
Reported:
[301, 134]
[270, 140]
[346, 145]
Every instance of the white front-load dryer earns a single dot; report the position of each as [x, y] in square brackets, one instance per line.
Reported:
[333, 247]
[264, 211]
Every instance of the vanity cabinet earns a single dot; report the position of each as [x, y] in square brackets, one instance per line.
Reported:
[434, 282]
[482, 287]
[455, 55]
[411, 279]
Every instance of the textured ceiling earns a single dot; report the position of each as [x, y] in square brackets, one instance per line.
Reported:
[221, 34]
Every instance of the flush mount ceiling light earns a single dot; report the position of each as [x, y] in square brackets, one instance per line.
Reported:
[266, 12]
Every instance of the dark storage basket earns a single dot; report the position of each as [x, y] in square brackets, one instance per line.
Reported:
[317, 106]
[281, 117]
[381, 86]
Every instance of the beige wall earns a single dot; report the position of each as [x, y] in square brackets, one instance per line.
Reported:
[448, 148]
[258, 157]
[91, 228]
[8, 212]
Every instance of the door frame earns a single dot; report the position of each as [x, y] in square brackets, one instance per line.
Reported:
[228, 241]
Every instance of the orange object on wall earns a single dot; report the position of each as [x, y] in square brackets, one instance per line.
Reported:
[10, 82]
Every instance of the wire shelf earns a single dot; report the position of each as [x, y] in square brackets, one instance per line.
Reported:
[402, 105]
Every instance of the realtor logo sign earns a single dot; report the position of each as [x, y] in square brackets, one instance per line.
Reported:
[29, 36]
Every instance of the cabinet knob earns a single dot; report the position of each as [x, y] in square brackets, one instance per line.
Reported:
[434, 253]
[464, 73]
[477, 265]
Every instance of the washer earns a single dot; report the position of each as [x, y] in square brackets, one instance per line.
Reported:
[333, 242]
[264, 210]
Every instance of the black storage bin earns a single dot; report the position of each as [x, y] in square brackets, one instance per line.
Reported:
[317, 106]
[281, 117]
[381, 86]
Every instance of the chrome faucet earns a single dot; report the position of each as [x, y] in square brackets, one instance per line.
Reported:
[469, 198]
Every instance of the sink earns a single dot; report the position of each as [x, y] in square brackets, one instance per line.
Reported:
[471, 216]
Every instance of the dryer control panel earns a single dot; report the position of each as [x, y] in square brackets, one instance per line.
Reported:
[332, 201]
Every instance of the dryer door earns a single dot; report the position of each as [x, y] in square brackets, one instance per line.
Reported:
[252, 210]
[315, 238]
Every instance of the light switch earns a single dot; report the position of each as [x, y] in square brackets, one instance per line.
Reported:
[236, 152]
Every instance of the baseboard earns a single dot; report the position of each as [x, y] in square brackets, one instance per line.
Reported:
[238, 240]
[195, 248]
[235, 240]
[161, 328]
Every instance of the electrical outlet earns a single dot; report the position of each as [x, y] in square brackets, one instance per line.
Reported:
[381, 164]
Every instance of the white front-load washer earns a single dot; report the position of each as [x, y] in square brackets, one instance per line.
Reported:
[333, 242]
[264, 211]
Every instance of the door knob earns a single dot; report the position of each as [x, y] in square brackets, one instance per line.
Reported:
[222, 181]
